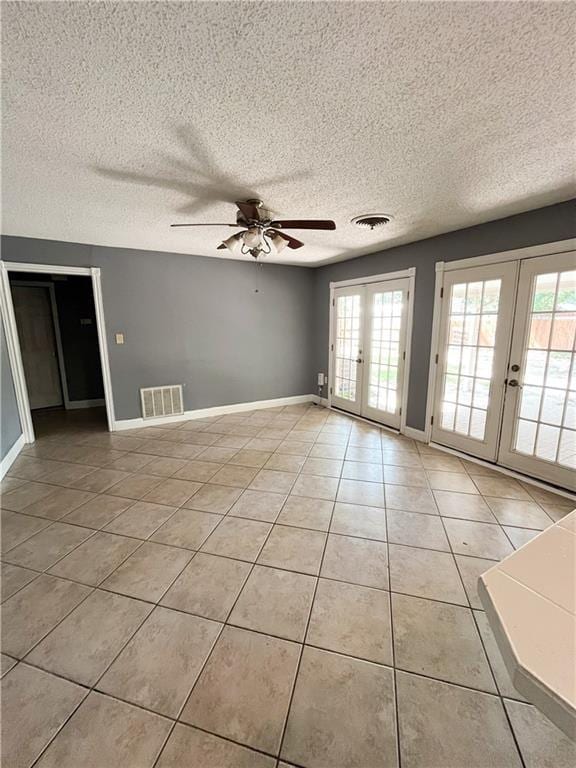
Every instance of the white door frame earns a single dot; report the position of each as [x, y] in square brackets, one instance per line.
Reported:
[547, 249]
[13, 342]
[402, 273]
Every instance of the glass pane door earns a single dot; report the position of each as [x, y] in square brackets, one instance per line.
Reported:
[348, 321]
[386, 307]
[539, 434]
[474, 333]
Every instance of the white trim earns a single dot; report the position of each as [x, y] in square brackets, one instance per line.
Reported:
[546, 249]
[408, 348]
[434, 347]
[13, 343]
[11, 456]
[218, 410]
[374, 278]
[415, 434]
[505, 471]
[74, 404]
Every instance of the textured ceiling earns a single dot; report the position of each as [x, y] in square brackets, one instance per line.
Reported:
[120, 118]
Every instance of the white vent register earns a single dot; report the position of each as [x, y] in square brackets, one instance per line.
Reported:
[161, 401]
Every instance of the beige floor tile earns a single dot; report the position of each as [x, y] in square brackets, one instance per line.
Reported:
[188, 745]
[59, 503]
[237, 537]
[410, 499]
[298, 448]
[471, 568]
[208, 586]
[503, 681]
[10, 483]
[275, 602]
[100, 480]
[361, 470]
[416, 530]
[131, 462]
[263, 444]
[98, 512]
[439, 640]
[369, 455]
[360, 492]
[18, 499]
[273, 480]
[359, 561]
[141, 519]
[519, 536]
[46, 547]
[149, 572]
[285, 462]
[29, 468]
[34, 706]
[353, 620]
[303, 512]
[36, 609]
[322, 467]
[519, 513]
[451, 481]
[342, 714]
[85, 643]
[248, 457]
[200, 471]
[173, 492]
[214, 498]
[166, 467]
[232, 441]
[218, 455]
[96, 558]
[160, 664]
[501, 488]
[13, 578]
[477, 539]
[542, 745]
[425, 573]
[107, 732]
[442, 463]
[6, 664]
[466, 506]
[258, 505]
[68, 473]
[295, 549]
[17, 528]
[359, 520]
[444, 725]
[235, 475]
[136, 486]
[244, 690]
[187, 528]
[410, 476]
[316, 487]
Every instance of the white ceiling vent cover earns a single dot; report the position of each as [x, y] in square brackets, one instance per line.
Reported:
[161, 401]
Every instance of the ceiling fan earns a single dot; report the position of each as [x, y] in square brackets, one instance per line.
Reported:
[261, 233]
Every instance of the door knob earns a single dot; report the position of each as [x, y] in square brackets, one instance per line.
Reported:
[513, 383]
[358, 359]
[515, 368]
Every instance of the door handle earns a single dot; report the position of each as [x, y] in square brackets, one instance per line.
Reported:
[513, 383]
[358, 359]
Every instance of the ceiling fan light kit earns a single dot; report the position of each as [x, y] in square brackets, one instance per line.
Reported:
[261, 235]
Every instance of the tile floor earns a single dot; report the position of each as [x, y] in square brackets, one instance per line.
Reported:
[287, 587]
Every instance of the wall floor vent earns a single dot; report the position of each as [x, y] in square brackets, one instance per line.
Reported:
[161, 401]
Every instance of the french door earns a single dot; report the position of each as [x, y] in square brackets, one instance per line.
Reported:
[505, 387]
[369, 349]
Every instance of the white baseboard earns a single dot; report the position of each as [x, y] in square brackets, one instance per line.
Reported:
[415, 434]
[73, 404]
[11, 456]
[218, 410]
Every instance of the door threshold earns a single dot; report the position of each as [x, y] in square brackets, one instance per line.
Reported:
[373, 423]
[508, 472]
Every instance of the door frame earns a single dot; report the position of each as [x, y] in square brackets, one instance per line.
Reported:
[547, 249]
[410, 274]
[13, 342]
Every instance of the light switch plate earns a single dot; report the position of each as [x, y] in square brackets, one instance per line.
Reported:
[119, 338]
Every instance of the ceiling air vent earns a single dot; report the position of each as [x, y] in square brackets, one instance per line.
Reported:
[372, 220]
[161, 401]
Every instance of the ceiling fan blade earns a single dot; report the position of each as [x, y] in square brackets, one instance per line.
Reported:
[292, 242]
[216, 224]
[248, 210]
[304, 224]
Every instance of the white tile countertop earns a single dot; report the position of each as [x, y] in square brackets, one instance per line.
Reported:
[530, 601]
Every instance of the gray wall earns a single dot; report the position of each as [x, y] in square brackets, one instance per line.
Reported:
[10, 421]
[556, 222]
[195, 321]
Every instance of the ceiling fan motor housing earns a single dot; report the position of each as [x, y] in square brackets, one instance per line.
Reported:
[372, 220]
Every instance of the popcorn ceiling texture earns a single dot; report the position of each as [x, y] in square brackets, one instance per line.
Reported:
[120, 118]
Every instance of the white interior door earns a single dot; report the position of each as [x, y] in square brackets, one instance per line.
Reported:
[475, 328]
[347, 348]
[384, 350]
[538, 435]
[33, 310]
